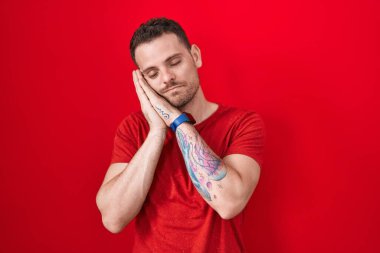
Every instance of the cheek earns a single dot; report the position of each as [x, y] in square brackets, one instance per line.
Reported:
[187, 72]
[154, 84]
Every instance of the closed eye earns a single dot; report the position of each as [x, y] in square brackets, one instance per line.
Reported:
[173, 63]
[153, 75]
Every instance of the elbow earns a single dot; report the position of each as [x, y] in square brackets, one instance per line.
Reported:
[230, 211]
[227, 214]
[232, 207]
[113, 226]
[110, 221]
[113, 221]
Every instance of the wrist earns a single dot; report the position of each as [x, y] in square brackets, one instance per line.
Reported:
[157, 133]
[182, 118]
[174, 115]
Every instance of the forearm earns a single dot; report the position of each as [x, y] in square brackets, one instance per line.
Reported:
[220, 186]
[121, 198]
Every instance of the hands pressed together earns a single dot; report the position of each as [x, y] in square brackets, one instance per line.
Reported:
[156, 109]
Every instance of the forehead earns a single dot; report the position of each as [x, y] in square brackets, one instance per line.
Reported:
[158, 50]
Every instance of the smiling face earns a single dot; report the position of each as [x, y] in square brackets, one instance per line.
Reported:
[170, 68]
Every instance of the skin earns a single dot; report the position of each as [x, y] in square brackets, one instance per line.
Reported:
[167, 84]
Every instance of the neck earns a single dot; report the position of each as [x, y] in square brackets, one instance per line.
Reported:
[199, 107]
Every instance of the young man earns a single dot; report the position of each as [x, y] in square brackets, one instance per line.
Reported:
[184, 167]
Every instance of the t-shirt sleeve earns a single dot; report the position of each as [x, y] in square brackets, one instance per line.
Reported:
[248, 137]
[125, 143]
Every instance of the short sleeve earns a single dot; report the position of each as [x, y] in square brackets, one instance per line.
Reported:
[125, 143]
[248, 137]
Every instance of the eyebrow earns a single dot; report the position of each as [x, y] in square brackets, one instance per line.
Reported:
[167, 60]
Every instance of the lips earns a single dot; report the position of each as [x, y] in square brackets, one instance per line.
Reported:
[172, 88]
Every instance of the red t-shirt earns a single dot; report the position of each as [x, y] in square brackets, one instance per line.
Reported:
[174, 217]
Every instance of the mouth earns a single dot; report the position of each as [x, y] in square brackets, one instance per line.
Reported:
[173, 88]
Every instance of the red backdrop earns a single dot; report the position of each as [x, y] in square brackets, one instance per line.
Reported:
[310, 68]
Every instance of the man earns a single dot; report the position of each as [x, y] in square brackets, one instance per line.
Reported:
[185, 182]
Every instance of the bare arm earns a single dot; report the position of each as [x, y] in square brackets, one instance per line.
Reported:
[225, 184]
[126, 186]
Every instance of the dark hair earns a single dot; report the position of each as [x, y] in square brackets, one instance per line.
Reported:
[154, 28]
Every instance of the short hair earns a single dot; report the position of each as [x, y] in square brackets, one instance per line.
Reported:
[154, 28]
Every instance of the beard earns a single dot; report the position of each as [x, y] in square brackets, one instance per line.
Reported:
[180, 99]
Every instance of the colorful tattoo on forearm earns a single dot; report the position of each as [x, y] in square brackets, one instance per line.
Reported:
[201, 162]
[164, 114]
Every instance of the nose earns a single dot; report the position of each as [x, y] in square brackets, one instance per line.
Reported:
[168, 76]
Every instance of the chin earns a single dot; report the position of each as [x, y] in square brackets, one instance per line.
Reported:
[180, 101]
[179, 104]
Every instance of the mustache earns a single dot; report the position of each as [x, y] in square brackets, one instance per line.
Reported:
[173, 85]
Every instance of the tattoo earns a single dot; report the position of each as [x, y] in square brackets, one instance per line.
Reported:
[164, 114]
[201, 163]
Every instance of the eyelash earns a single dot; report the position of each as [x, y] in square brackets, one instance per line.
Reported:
[175, 63]
[153, 76]
[171, 64]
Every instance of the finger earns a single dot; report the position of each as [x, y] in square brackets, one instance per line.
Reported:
[138, 85]
[140, 92]
[151, 94]
[138, 88]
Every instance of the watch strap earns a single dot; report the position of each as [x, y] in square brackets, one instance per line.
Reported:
[184, 117]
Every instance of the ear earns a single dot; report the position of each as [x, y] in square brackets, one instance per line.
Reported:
[196, 54]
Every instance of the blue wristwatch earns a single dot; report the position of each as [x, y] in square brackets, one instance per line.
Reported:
[184, 117]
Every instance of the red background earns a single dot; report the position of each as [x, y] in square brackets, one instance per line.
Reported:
[310, 68]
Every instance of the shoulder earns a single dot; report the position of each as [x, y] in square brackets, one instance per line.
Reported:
[240, 114]
[243, 123]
